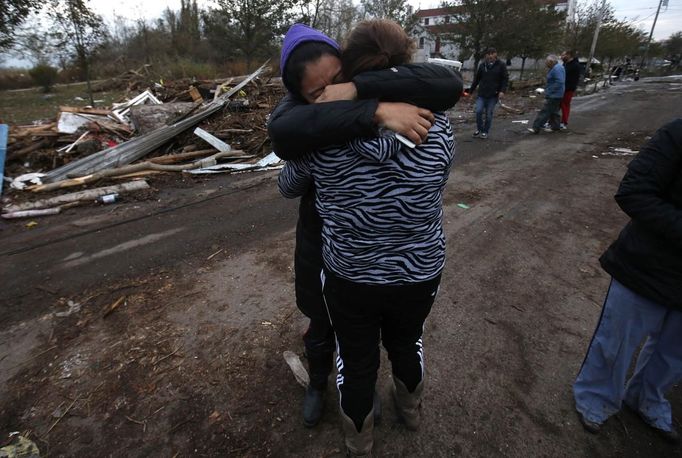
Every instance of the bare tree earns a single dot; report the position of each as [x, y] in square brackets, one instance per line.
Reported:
[79, 30]
[529, 30]
[396, 10]
[251, 26]
[478, 25]
[12, 14]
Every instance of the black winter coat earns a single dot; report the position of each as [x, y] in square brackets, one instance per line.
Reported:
[647, 257]
[491, 79]
[296, 128]
[572, 74]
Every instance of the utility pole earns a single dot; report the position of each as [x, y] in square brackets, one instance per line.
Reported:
[646, 51]
[600, 17]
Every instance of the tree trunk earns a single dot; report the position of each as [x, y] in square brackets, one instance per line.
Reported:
[523, 65]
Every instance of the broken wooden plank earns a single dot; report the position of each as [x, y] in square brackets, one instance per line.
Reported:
[32, 213]
[212, 140]
[195, 94]
[86, 110]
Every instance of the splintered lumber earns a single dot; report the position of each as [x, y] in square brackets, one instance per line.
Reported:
[138, 147]
[134, 168]
[86, 110]
[32, 213]
[211, 140]
[89, 194]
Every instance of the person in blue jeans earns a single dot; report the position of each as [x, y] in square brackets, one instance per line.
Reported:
[644, 300]
[491, 79]
[554, 94]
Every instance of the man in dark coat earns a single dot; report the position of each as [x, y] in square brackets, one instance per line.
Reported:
[644, 298]
[572, 67]
[491, 79]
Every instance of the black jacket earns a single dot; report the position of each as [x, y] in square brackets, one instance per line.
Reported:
[296, 128]
[572, 74]
[647, 257]
[491, 79]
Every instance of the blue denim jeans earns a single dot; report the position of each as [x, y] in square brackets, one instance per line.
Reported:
[550, 112]
[627, 318]
[484, 109]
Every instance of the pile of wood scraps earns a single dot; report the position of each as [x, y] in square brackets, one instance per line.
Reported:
[145, 136]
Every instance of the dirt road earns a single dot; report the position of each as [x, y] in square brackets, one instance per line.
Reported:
[190, 363]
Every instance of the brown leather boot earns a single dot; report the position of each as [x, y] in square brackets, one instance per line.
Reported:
[407, 403]
[358, 443]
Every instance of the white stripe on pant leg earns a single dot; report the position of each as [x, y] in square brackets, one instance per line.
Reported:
[339, 360]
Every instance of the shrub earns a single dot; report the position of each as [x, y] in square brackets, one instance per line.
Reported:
[44, 75]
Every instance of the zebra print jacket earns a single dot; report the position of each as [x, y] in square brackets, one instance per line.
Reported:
[382, 219]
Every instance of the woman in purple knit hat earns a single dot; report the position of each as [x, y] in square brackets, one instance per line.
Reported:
[401, 98]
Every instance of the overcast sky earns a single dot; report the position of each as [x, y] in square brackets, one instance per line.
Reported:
[641, 12]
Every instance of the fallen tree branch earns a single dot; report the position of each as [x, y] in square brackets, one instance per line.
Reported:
[134, 168]
[89, 194]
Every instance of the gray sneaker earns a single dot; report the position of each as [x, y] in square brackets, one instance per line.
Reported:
[484, 136]
[476, 134]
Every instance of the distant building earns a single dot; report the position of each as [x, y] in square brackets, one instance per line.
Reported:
[436, 23]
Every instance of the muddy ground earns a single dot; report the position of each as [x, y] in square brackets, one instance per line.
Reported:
[190, 361]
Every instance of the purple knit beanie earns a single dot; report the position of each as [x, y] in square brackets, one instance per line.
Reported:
[297, 35]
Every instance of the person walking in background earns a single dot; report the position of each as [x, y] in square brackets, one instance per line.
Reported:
[554, 93]
[491, 79]
[644, 298]
[572, 68]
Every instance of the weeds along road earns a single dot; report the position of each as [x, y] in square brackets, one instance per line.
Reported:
[191, 363]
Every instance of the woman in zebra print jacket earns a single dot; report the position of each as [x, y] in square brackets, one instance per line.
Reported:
[383, 243]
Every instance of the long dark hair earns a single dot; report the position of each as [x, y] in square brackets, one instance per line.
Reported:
[375, 45]
[292, 74]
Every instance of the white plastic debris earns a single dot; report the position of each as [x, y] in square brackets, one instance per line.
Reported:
[27, 179]
[122, 110]
[540, 90]
[269, 162]
[521, 121]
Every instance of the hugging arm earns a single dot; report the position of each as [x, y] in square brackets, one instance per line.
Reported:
[378, 149]
[296, 128]
[295, 178]
[429, 86]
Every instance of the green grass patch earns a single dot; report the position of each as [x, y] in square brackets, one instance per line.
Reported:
[23, 106]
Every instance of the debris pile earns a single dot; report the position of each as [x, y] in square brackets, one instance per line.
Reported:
[204, 127]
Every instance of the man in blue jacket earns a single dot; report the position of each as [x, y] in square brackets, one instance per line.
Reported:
[554, 92]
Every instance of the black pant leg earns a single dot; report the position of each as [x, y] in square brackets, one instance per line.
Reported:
[355, 315]
[402, 328]
[319, 338]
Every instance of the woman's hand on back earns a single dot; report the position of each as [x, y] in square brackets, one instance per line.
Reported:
[336, 92]
[411, 121]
